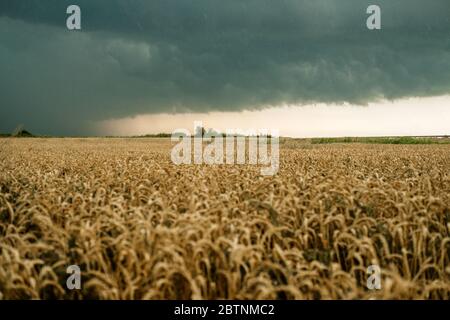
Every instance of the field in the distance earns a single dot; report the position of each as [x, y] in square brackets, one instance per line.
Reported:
[140, 227]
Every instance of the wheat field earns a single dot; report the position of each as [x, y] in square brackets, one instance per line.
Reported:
[140, 227]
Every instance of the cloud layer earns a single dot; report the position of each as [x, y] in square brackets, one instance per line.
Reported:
[137, 56]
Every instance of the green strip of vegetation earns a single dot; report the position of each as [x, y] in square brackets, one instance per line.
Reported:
[382, 140]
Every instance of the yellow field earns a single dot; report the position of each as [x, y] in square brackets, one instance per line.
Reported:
[140, 227]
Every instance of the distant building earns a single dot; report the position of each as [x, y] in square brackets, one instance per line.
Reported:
[22, 133]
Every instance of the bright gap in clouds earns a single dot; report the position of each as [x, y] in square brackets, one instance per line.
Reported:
[415, 116]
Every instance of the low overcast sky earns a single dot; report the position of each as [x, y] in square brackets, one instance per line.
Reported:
[307, 67]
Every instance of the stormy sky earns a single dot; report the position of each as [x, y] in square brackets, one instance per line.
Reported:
[141, 57]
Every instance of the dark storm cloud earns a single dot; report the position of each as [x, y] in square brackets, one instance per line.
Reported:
[141, 56]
